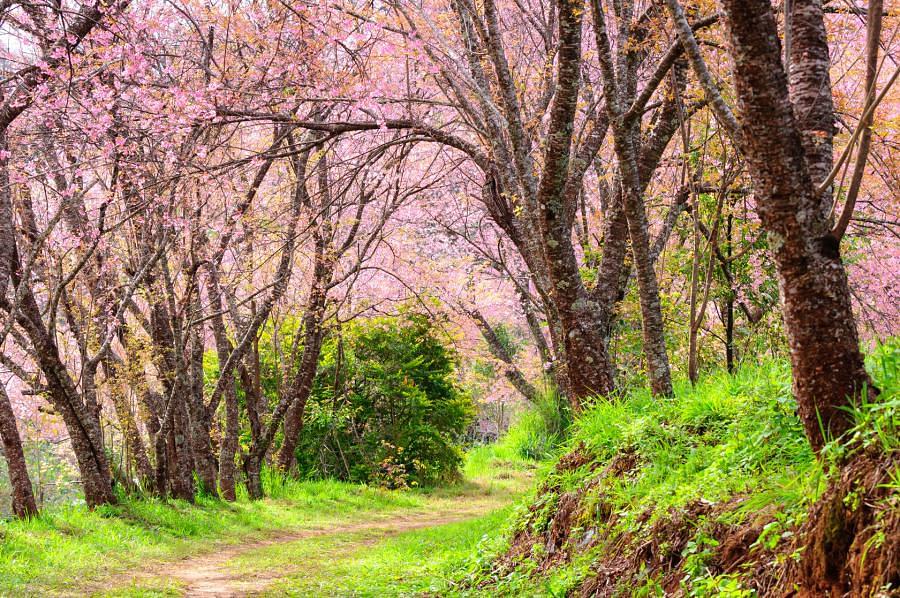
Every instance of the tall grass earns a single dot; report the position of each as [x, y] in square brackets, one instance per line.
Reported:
[729, 450]
[541, 429]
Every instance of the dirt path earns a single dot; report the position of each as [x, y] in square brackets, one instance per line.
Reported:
[209, 575]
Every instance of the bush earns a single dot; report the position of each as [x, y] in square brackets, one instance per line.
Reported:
[384, 407]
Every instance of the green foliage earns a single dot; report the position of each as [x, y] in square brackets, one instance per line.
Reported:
[723, 453]
[541, 429]
[728, 436]
[709, 442]
[876, 422]
[384, 407]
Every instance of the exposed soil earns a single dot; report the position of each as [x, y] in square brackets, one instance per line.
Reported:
[852, 537]
[849, 544]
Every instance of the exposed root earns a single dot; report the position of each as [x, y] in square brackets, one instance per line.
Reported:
[851, 541]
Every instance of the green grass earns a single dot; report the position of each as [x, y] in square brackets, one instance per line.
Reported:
[71, 549]
[731, 441]
[64, 548]
[370, 564]
[726, 436]
[729, 436]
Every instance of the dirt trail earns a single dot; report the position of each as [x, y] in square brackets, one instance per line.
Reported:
[208, 575]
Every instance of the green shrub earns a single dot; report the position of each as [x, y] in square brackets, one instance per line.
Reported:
[384, 407]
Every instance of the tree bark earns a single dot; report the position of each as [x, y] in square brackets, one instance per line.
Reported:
[588, 369]
[181, 462]
[619, 91]
[810, 93]
[302, 385]
[23, 504]
[199, 420]
[828, 370]
[81, 421]
[229, 447]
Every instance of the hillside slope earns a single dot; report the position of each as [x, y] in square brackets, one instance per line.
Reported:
[712, 492]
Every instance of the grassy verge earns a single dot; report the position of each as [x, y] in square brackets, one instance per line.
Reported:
[703, 494]
[69, 550]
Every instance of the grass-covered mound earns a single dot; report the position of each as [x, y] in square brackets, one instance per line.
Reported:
[712, 492]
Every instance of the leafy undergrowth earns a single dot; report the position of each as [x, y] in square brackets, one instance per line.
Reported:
[712, 492]
[71, 549]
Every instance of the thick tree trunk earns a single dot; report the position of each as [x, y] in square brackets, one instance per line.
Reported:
[181, 464]
[810, 93]
[161, 469]
[828, 370]
[253, 471]
[23, 504]
[613, 274]
[582, 321]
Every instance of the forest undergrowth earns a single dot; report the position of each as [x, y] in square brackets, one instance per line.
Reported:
[714, 492]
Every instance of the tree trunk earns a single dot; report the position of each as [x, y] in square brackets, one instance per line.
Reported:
[23, 504]
[810, 93]
[301, 389]
[828, 370]
[693, 365]
[253, 471]
[729, 307]
[648, 293]
[200, 423]
[181, 464]
[81, 421]
[587, 360]
[510, 371]
[619, 91]
[229, 448]
[161, 470]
